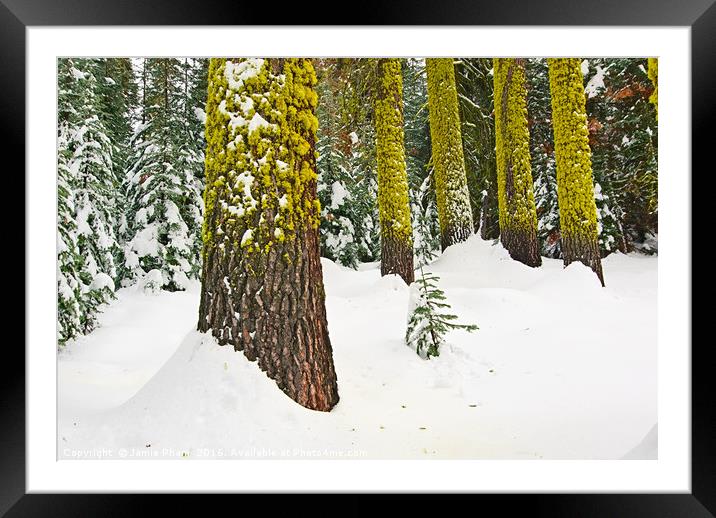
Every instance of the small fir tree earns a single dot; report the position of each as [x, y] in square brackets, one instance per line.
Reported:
[429, 321]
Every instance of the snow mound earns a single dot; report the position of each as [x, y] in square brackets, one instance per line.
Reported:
[560, 368]
[391, 282]
[152, 282]
[102, 281]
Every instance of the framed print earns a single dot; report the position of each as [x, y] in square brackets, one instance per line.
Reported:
[360, 258]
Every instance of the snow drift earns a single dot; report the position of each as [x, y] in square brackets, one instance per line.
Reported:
[560, 368]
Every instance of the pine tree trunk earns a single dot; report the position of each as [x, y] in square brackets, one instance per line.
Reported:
[262, 282]
[653, 73]
[393, 200]
[144, 91]
[575, 185]
[489, 228]
[515, 191]
[453, 198]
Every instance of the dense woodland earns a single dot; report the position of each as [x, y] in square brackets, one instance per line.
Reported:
[242, 173]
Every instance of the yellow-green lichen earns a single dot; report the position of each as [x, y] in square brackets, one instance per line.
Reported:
[393, 200]
[653, 73]
[215, 132]
[517, 211]
[260, 168]
[575, 186]
[453, 201]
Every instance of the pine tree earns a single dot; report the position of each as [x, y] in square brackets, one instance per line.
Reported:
[346, 182]
[357, 112]
[338, 233]
[396, 230]
[426, 229]
[577, 209]
[539, 110]
[623, 136]
[518, 215]
[428, 322]
[69, 262]
[262, 286]
[605, 141]
[93, 183]
[453, 198]
[475, 95]
[163, 183]
[117, 97]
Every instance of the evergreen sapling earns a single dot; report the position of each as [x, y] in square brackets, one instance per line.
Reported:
[429, 321]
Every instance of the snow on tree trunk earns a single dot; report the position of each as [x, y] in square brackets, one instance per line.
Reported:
[262, 285]
[393, 199]
[453, 199]
[575, 186]
[518, 216]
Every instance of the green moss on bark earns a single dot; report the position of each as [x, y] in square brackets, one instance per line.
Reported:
[393, 199]
[262, 285]
[575, 185]
[259, 163]
[453, 199]
[518, 215]
[653, 73]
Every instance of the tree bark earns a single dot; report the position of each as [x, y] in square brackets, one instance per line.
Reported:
[396, 256]
[262, 282]
[518, 214]
[575, 185]
[453, 199]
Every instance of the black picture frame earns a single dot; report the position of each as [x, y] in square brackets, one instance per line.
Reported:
[700, 15]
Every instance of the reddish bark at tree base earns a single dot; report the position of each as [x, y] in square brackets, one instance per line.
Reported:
[279, 318]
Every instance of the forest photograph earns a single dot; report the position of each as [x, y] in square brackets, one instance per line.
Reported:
[357, 258]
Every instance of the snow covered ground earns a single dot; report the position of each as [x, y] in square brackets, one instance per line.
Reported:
[560, 369]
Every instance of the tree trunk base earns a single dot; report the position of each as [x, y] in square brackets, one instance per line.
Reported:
[522, 246]
[276, 316]
[454, 235]
[396, 257]
[584, 250]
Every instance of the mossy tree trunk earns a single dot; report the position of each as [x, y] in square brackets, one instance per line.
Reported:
[575, 185]
[262, 283]
[396, 232]
[453, 198]
[515, 192]
[653, 73]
